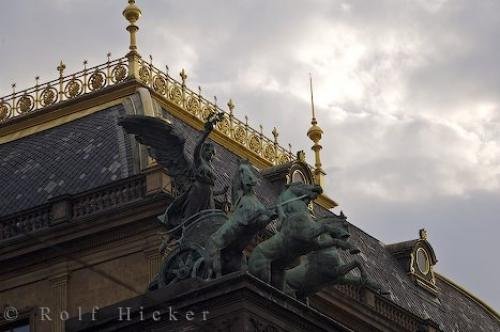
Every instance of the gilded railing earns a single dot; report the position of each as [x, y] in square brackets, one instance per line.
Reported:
[93, 79]
[88, 80]
[192, 102]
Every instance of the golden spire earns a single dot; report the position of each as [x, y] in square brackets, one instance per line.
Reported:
[132, 14]
[315, 133]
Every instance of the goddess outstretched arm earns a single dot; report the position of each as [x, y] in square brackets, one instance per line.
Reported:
[197, 149]
[209, 127]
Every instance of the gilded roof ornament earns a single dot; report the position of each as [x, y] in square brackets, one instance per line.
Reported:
[301, 156]
[265, 151]
[132, 13]
[315, 133]
[61, 68]
[183, 76]
[230, 105]
[423, 234]
[275, 135]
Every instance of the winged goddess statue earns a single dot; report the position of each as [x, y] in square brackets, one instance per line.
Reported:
[194, 179]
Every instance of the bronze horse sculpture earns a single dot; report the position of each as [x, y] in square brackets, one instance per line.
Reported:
[326, 267]
[247, 217]
[298, 234]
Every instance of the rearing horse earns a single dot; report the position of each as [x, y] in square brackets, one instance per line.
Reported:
[297, 235]
[247, 217]
[325, 267]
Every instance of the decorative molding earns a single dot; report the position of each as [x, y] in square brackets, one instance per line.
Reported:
[65, 112]
[157, 180]
[59, 283]
[67, 208]
[324, 201]
[258, 325]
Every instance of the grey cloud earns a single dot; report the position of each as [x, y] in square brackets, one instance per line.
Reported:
[398, 84]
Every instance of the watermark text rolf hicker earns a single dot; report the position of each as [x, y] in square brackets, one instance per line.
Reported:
[124, 314]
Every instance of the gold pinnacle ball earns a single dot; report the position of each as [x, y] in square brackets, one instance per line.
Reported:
[315, 133]
[132, 12]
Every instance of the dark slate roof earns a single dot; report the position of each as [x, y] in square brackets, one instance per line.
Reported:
[68, 159]
[451, 309]
[93, 151]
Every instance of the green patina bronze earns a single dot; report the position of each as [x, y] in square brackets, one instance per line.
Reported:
[326, 267]
[297, 234]
[193, 178]
[206, 243]
[247, 217]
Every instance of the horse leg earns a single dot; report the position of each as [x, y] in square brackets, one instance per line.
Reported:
[278, 278]
[260, 266]
[244, 262]
[343, 269]
[350, 280]
[216, 263]
[364, 280]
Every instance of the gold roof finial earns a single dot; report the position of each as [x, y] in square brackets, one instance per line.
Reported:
[315, 133]
[422, 233]
[61, 68]
[184, 76]
[132, 14]
[275, 135]
[230, 105]
[301, 156]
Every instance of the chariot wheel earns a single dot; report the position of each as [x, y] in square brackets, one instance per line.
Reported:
[184, 263]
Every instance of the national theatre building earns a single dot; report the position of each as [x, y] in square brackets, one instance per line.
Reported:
[130, 202]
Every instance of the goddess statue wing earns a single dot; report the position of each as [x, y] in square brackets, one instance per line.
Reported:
[165, 144]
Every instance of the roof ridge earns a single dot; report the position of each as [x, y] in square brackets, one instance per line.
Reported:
[471, 296]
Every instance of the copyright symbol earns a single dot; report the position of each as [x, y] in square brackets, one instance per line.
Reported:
[10, 313]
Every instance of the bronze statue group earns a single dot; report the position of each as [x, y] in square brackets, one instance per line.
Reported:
[303, 254]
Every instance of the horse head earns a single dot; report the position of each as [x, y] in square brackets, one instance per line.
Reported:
[309, 192]
[338, 227]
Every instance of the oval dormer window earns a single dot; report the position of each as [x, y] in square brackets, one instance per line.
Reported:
[297, 176]
[423, 261]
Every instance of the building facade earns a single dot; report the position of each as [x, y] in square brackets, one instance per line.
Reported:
[80, 198]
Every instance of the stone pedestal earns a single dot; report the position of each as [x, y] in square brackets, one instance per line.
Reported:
[236, 302]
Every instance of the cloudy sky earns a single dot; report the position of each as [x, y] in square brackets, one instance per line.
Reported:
[407, 92]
